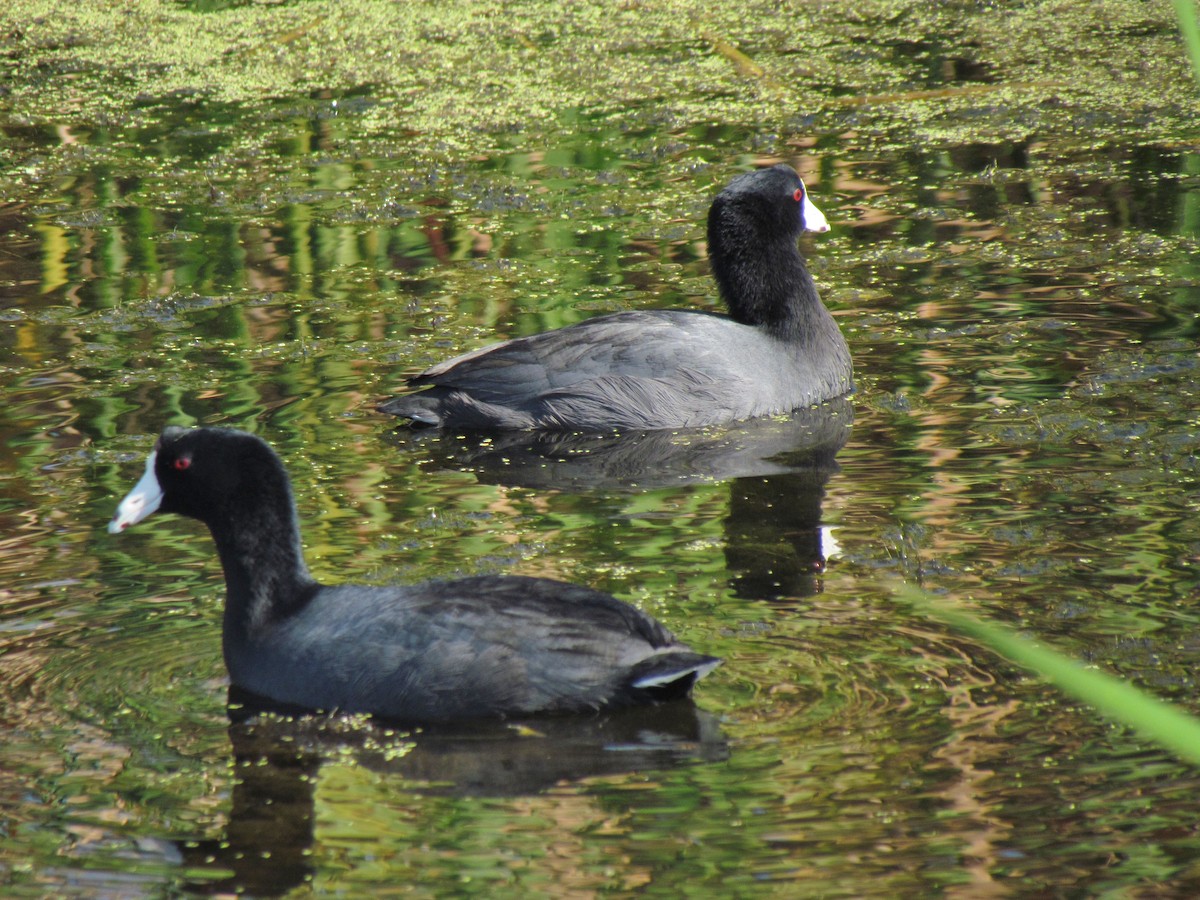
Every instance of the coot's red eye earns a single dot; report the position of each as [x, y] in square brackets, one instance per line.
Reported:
[798, 195]
[181, 463]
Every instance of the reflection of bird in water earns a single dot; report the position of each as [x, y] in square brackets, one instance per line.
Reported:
[269, 837]
[777, 468]
[775, 544]
[807, 439]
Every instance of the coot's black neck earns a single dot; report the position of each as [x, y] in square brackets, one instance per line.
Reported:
[765, 283]
[266, 578]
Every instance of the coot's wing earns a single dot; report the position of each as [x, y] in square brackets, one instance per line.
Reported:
[513, 373]
[687, 398]
[645, 369]
[482, 646]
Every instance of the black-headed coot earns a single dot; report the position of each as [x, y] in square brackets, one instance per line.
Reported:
[476, 647]
[779, 349]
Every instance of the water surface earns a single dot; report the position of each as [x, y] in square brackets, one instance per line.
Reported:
[1013, 260]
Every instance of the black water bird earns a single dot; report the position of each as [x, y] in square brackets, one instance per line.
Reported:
[487, 646]
[779, 349]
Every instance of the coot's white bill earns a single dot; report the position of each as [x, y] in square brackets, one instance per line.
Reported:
[814, 219]
[140, 502]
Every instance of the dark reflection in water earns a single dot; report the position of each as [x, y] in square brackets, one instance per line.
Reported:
[279, 758]
[642, 460]
[775, 545]
[777, 469]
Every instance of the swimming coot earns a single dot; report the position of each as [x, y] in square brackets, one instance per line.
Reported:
[476, 647]
[779, 349]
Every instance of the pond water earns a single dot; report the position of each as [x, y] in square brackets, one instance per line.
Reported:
[1013, 260]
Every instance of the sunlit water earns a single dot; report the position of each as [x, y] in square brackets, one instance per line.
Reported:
[1023, 441]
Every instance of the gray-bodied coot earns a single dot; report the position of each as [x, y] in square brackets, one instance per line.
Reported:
[475, 647]
[779, 349]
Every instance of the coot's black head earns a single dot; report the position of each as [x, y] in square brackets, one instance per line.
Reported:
[216, 475]
[765, 205]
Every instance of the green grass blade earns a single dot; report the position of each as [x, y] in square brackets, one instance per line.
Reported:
[1114, 698]
[1189, 27]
